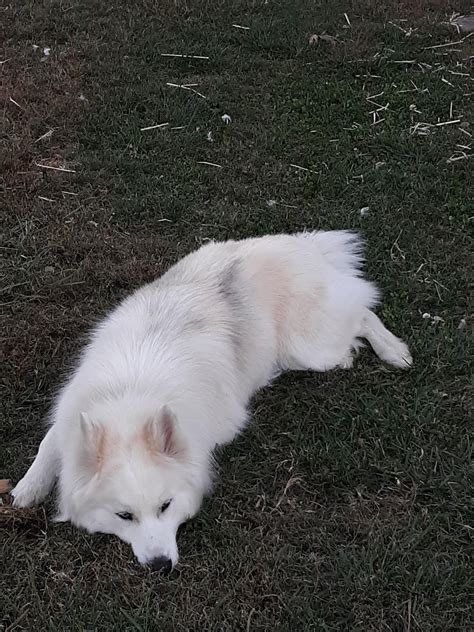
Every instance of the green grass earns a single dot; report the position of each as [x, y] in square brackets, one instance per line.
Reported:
[347, 504]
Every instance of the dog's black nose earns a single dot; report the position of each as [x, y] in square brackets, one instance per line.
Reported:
[161, 564]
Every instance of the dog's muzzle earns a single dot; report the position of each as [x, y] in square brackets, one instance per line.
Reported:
[161, 565]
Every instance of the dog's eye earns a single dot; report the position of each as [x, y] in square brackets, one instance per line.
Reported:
[165, 506]
[125, 515]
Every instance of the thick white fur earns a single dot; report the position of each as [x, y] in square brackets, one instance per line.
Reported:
[168, 375]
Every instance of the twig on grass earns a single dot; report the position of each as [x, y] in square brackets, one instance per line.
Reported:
[186, 87]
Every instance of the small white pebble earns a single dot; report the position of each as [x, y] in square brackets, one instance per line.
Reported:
[46, 51]
[364, 210]
[438, 319]
[426, 315]
[462, 323]
[226, 118]
[271, 203]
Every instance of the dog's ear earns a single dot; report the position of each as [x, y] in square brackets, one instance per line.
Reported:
[162, 434]
[94, 443]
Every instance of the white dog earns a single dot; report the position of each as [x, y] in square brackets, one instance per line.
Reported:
[168, 375]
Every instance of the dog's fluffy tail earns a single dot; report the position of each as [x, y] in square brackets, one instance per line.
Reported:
[388, 347]
[341, 248]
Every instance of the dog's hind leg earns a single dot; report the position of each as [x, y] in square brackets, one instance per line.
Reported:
[388, 347]
[40, 478]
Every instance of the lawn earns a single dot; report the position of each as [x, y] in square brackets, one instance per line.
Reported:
[347, 503]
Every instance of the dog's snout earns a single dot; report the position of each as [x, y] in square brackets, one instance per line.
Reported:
[161, 564]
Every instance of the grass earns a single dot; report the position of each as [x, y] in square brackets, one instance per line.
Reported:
[346, 504]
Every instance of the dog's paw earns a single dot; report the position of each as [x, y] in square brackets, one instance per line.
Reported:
[347, 362]
[398, 354]
[26, 493]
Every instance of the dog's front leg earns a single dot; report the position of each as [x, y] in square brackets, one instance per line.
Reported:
[40, 478]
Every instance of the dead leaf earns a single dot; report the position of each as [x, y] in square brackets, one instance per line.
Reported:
[324, 37]
[5, 485]
[32, 519]
[328, 38]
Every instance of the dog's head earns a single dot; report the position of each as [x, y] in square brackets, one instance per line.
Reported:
[138, 485]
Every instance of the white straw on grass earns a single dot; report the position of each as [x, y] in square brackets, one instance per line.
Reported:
[186, 87]
[374, 96]
[302, 168]
[447, 123]
[184, 56]
[461, 156]
[459, 74]
[54, 168]
[144, 129]
[211, 164]
[44, 136]
[16, 103]
[448, 43]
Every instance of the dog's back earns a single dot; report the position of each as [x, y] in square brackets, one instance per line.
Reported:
[298, 300]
